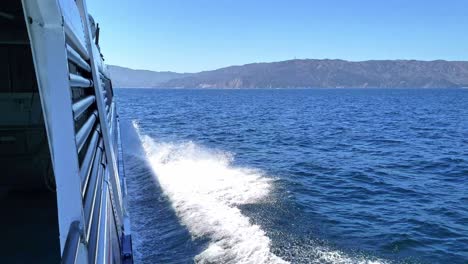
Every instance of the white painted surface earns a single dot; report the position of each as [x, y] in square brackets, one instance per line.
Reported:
[51, 65]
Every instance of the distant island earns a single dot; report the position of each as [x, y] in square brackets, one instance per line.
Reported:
[307, 73]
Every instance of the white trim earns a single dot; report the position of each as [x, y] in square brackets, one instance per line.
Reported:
[108, 142]
[51, 65]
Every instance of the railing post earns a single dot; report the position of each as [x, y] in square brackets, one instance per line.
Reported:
[51, 65]
[108, 142]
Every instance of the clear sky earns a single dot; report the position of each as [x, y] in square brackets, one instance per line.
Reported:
[196, 35]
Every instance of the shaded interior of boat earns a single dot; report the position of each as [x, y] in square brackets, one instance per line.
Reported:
[27, 189]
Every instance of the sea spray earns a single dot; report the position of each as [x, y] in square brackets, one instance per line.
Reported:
[205, 190]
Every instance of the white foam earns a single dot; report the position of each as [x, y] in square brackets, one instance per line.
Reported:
[205, 190]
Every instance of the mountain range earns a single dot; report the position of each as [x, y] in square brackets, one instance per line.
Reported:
[307, 73]
[129, 78]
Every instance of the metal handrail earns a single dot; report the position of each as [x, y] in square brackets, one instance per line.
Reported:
[102, 72]
[75, 41]
[77, 59]
[109, 113]
[103, 228]
[111, 118]
[86, 168]
[70, 251]
[95, 227]
[82, 105]
[80, 82]
[85, 130]
[102, 76]
[92, 193]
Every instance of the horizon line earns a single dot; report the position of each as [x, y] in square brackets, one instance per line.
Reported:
[295, 59]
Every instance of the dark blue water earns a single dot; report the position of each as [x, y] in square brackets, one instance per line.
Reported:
[302, 176]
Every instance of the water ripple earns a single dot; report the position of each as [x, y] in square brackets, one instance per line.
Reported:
[357, 176]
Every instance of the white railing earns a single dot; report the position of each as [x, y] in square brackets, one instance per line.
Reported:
[82, 105]
[77, 59]
[86, 172]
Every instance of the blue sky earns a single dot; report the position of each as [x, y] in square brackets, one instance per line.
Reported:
[196, 35]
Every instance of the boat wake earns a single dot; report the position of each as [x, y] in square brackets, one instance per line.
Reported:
[205, 190]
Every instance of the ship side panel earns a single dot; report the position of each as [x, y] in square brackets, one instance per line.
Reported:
[45, 29]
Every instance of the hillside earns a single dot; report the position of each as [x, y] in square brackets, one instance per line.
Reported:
[309, 73]
[130, 78]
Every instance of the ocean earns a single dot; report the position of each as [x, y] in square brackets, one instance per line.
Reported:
[297, 175]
